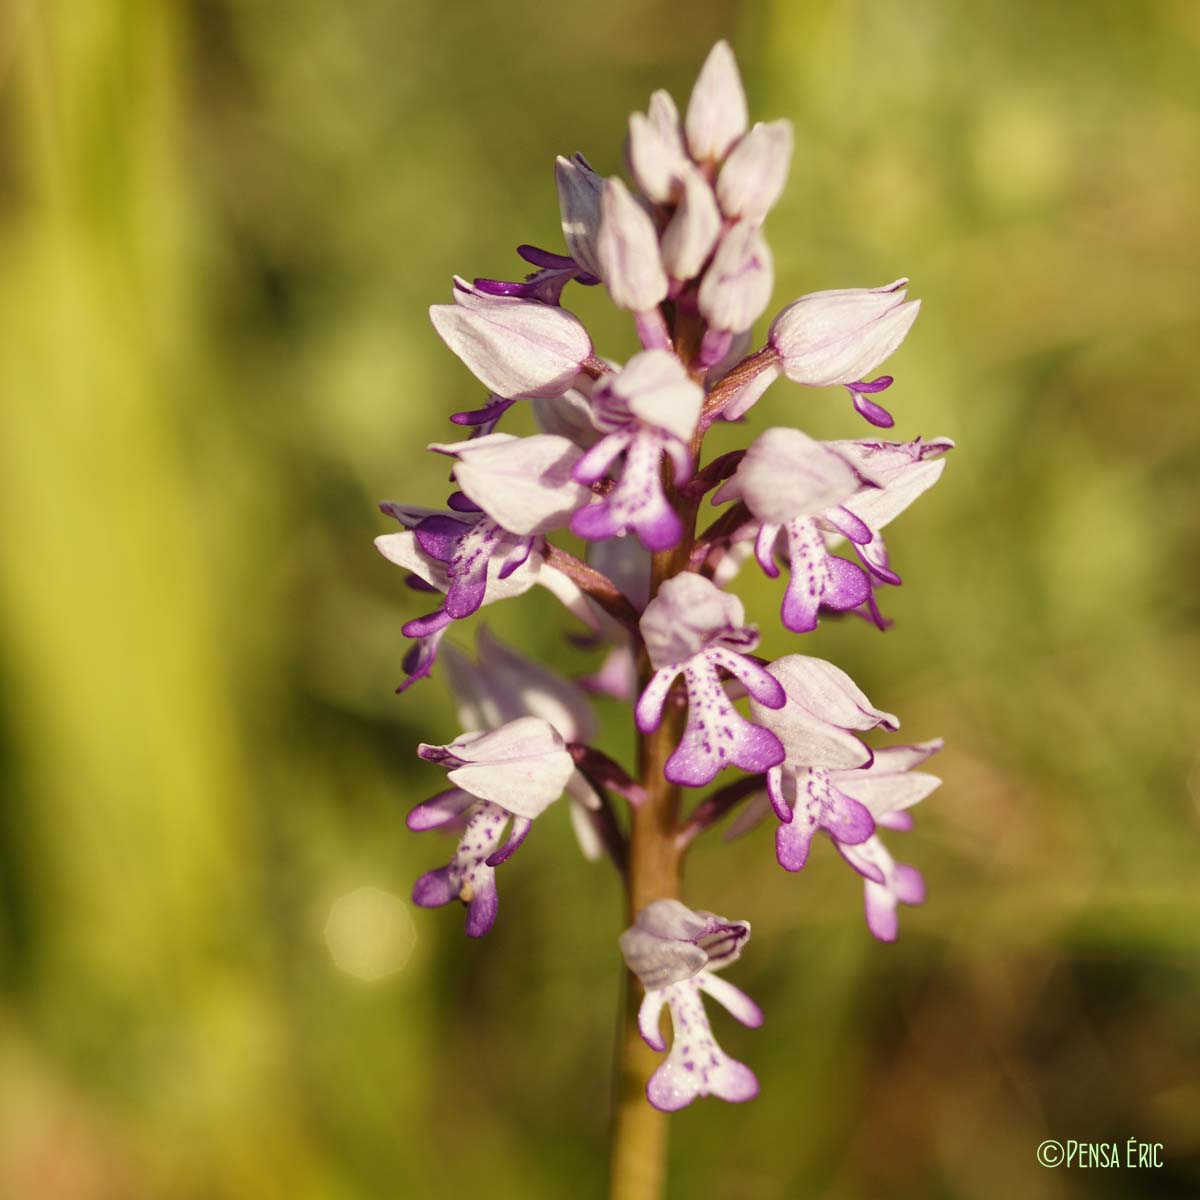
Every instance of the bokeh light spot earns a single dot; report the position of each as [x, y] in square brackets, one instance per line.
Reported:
[369, 933]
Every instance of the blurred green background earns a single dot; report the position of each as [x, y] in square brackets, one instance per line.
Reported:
[221, 223]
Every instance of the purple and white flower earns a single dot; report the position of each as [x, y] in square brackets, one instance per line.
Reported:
[898, 472]
[802, 492]
[646, 410]
[692, 628]
[825, 708]
[681, 249]
[459, 554]
[841, 336]
[508, 776]
[674, 952]
[851, 806]
[471, 559]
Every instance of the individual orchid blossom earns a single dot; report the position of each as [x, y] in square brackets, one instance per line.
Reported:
[509, 775]
[471, 561]
[692, 628]
[472, 548]
[841, 336]
[673, 952]
[824, 709]
[850, 806]
[619, 460]
[802, 492]
[647, 410]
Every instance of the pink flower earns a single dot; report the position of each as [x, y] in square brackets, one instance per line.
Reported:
[673, 951]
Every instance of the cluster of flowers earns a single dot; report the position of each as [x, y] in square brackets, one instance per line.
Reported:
[617, 464]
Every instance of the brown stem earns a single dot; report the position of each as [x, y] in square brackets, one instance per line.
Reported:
[745, 371]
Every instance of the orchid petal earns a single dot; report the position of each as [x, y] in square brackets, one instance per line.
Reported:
[523, 483]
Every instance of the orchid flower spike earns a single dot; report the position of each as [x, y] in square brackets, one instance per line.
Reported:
[619, 461]
[674, 951]
[511, 774]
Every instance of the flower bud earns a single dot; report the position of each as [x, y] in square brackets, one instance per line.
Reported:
[579, 203]
[737, 284]
[627, 250]
[841, 336]
[514, 347]
[716, 112]
[693, 230]
[664, 116]
[657, 157]
[755, 171]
